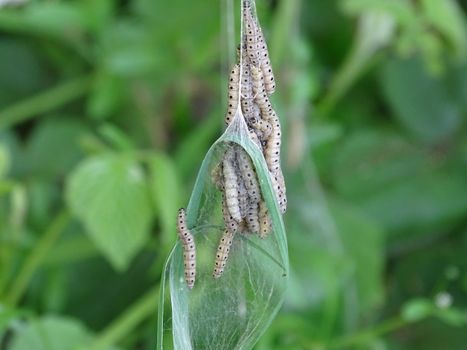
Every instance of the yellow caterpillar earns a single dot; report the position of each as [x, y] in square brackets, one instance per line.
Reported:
[233, 94]
[231, 184]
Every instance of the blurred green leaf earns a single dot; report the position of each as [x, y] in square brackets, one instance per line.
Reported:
[419, 205]
[376, 159]
[50, 333]
[420, 102]
[452, 317]
[366, 261]
[109, 194]
[417, 310]
[106, 96]
[4, 160]
[166, 194]
[53, 148]
[447, 17]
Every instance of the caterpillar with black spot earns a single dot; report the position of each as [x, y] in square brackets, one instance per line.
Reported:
[248, 175]
[222, 253]
[231, 184]
[261, 97]
[229, 221]
[233, 94]
[251, 36]
[258, 50]
[264, 220]
[252, 218]
[273, 145]
[189, 249]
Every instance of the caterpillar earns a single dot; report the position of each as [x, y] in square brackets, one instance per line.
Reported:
[222, 253]
[242, 197]
[257, 49]
[248, 174]
[255, 139]
[231, 185]
[217, 176]
[262, 127]
[264, 220]
[279, 190]
[272, 149]
[269, 80]
[233, 93]
[251, 36]
[252, 218]
[189, 250]
[229, 221]
[259, 91]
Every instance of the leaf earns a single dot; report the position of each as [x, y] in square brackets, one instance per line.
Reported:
[109, 194]
[420, 102]
[54, 148]
[51, 333]
[417, 310]
[165, 190]
[447, 17]
[377, 159]
[233, 311]
[366, 260]
[4, 161]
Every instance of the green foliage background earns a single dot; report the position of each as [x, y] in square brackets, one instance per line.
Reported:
[108, 107]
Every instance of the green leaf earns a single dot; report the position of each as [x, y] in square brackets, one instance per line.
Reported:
[235, 310]
[366, 260]
[420, 102]
[109, 194]
[51, 333]
[54, 148]
[448, 18]
[417, 310]
[165, 190]
[4, 160]
[377, 159]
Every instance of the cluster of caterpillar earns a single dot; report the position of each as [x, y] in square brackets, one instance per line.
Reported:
[244, 211]
[251, 83]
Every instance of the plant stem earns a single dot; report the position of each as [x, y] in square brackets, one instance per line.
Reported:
[44, 102]
[35, 258]
[364, 336]
[146, 306]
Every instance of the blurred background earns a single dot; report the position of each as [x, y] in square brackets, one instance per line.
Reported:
[108, 107]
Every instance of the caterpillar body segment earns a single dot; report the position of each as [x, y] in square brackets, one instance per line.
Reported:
[222, 253]
[263, 128]
[233, 93]
[264, 220]
[251, 36]
[242, 197]
[248, 175]
[230, 223]
[189, 249]
[273, 145]
[231, 185]
[217, 176]
[261, 97]
[265, 64]
[252, 218]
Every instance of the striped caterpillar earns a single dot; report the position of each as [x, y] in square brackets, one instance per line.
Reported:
[189, 250]
[222, 254]
[231, 185]
[233, 94]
